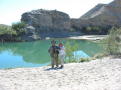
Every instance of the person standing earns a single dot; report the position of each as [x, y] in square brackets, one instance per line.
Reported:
[54, 51]
[62, 54]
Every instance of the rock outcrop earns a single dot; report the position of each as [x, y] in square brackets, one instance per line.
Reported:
[45, 19]
[46, 23]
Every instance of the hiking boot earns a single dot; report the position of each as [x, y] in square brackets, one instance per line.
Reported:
[61, 66]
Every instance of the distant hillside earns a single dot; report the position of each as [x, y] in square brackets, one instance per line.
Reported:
[104, 14]
[93, 12]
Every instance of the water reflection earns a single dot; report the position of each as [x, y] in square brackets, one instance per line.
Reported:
[37, 52]
[34, 52]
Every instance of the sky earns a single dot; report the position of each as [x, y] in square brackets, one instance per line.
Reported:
[11, 10]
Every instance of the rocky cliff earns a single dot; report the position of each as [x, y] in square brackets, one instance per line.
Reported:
[45, 19]
[101, 15]
[46, 23]
[105, 14]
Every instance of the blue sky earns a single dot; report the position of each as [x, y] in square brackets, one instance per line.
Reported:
[11, 10]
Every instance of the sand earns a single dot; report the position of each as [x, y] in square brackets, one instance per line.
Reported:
[102, 74]
[89, 37]
[83, 37]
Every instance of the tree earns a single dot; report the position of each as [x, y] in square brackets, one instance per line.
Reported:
[6, 30]
[19, 27]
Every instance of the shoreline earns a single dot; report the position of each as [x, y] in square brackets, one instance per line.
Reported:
[83, 37]
[89, 37]
[100, 74]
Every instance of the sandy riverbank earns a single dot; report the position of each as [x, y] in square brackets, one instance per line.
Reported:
[83, 37]
[103, 74]
[89, 37]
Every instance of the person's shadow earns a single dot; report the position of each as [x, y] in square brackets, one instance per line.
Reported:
[57, 68]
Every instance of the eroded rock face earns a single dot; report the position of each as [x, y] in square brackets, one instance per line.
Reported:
[47, 21]
[101, 15]
[109, 14]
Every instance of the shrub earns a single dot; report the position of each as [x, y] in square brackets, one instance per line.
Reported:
[84, 59]
[95, 29]
[70, 48]
[6, 30]
[113, 42]
[19, 27]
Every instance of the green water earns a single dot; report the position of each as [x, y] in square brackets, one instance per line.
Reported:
[35, 54]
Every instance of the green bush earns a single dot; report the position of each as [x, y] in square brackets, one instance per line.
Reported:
[84, 59]
[70, 48]
[19, 27]
[12, 33]
[6, 30]
[91, 29]
[113, 42]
